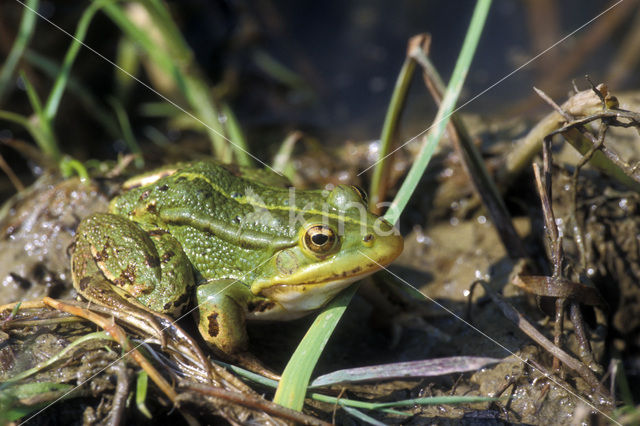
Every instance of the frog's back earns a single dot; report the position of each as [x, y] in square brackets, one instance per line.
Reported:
[226, 222]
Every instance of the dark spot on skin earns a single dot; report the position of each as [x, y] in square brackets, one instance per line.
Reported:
[157, 232]
[182, 299]
[84, 283]
[166, 257]
[151, 208]
[260, 305]
[24, 283]
[151, 261]
[103, 254]
[127, 276]
[163, 187]
[214, 328]
[144, 195]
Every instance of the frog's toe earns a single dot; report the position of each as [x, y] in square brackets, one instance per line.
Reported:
[151, 320]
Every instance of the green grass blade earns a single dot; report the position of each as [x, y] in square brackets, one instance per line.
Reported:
[389, 129]
[82, 93]
[34, 99]
[70, 166]
[48, 143]
[363, 417]
[444, 112]
[53, 102]
[25, 32]
[237, 136]
[384, 406]
[141, 393]
[176, 60]
[35, 131]
[12, 408]
[295, 378]
[250, 375]
[127, 132]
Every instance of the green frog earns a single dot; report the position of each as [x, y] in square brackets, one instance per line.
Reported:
[240, 241]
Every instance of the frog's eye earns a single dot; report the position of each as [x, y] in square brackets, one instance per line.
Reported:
[360, 192]
[320, 238]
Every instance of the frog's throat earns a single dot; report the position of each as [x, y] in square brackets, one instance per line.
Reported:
[295, 301]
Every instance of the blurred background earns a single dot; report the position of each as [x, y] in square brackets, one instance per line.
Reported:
[325, 68]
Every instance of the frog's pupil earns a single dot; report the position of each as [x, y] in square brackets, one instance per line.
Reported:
[319, 239]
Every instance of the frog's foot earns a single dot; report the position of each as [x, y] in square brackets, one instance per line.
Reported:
[98, 290]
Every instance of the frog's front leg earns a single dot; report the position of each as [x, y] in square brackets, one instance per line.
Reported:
[222, 312]
[116, 263]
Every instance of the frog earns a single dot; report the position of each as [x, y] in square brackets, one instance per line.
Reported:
[238, 244]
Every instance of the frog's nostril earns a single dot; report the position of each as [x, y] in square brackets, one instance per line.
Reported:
[368, 238]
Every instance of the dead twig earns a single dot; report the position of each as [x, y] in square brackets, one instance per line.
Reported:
[472, 162]
[119, 336]
[253, 403]
[523, 324]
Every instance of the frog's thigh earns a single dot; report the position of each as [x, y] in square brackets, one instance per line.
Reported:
[222, 307]
[89, 281]
[128, 257]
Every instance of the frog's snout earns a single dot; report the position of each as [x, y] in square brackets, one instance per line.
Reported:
[383, 244]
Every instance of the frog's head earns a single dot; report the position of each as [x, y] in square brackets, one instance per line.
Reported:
[338, 242]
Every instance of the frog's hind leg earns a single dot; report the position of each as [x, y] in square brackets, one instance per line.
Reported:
[94, 287]
[117, 264]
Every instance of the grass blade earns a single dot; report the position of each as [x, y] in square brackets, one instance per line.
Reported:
[444, 112]
[415, 369]
[25, 32]
[295, 378]
[53, 102]
[389, 129]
